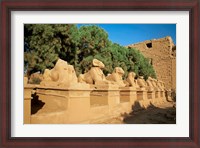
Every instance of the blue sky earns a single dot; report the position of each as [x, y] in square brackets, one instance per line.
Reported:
[125, 34]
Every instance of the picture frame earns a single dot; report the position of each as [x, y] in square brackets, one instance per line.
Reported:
[46, 5]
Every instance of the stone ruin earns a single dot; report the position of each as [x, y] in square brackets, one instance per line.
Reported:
[95, 75]
[162, 56]
[116, 77]
[62, 75]
[90, 97]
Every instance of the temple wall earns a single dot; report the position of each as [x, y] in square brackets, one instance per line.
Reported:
[162, 55]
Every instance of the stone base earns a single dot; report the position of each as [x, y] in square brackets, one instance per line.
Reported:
[142, 95]
[28, 90]
[62, 106]
[108, 93]
[151, 94]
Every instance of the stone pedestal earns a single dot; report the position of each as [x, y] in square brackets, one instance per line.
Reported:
[63, 105]
[142, 95]
[169, 95]
[128, 94]
[162, 95]
[151, 95]
[28, 89]
[106, 94]
[158, 96]
[142, 98]
[128, 97]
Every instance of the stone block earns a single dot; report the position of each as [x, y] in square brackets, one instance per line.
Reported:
[28, 90]
[142, 95]
[63, 105]
[151, 94]
[128, 94]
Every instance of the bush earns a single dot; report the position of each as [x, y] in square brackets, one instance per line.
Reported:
[35, 81]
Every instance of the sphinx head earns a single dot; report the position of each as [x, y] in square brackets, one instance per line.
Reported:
[97, 63]
[131, 74]
[119, 70]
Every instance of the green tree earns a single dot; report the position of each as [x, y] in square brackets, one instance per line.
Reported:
[92, 40]
[141, 64]
[47, 42]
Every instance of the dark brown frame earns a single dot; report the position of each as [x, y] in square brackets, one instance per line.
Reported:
[193, 6]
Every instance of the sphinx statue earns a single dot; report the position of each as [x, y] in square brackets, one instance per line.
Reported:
[116, 77]
[163, 84]
[141, 82]
[154, 83]
[62, 75]
[95, 75]
[130, 81]
[149, 84]
[160, 86]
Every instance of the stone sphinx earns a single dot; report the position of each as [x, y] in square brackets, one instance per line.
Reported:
[130, 81]
[149, 84]
[95, 75]
[141, 82]
[163, 85]
[62, 75]
[116, 77]
[154, 83]
[160, 85]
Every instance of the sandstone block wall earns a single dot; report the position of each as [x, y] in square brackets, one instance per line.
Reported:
[162, 55]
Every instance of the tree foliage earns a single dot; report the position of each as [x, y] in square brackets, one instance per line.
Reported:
[45, 43]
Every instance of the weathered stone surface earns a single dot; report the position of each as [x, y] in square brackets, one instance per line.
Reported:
[28, 90]
[95, 75]
[62, 105]
[62, 75]
[141, 82]
[149, 84]
[131, 81]
[162, 55]
[116, 76]
[25, 81]
[154, 83]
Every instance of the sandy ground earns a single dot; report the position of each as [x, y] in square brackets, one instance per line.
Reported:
[164, 114]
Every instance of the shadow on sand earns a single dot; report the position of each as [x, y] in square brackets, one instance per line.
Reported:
[151, 115]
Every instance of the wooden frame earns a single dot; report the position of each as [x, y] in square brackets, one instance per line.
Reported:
[143, 5]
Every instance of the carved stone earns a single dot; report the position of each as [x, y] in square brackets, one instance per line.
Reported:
[116, 77]
[62, 75]
[131, 80]
[94, 75]
[141, 82]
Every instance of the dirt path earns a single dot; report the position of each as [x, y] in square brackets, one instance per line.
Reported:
[164, 114]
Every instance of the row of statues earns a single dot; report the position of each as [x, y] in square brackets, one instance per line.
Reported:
[64, 75]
